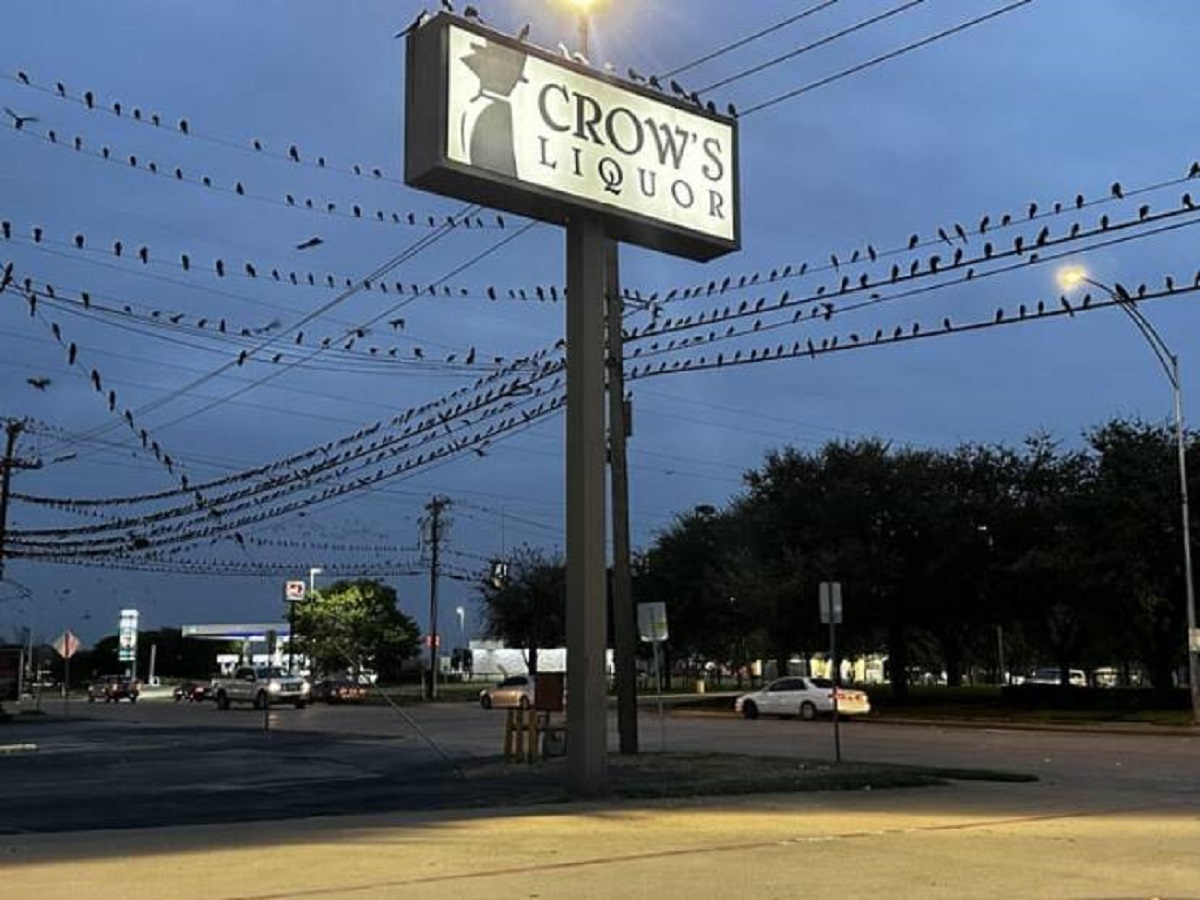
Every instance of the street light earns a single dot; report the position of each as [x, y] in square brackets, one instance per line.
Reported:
[1074, 276]
[312, 578]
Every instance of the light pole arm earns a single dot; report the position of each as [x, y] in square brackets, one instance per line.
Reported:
[1162, 352]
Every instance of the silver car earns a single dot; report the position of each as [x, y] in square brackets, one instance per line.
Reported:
[801, 696]
[514, 692]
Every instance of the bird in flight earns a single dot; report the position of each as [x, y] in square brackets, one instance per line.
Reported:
[38, 383]
[19, 120]
[310, 243]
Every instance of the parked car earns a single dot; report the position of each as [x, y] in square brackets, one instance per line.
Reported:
[112, 688]
[801, 696]
[338, 690]
[515, 691]
[193, 691]
[1053, 675]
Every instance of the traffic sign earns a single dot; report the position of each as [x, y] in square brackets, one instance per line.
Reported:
[294, 591]
[66, 644]
[652, 621]
[830, 596]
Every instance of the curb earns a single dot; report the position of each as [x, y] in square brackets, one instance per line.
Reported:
[1131, 729]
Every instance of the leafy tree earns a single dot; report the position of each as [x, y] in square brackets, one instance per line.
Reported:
[357, 625]
[529, 608]
[1131, 515]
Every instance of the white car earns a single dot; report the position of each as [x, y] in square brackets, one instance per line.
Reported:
[801, 696]
[515, 691]
[1051, 675]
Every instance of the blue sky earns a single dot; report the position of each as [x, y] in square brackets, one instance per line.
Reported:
[1054, 99]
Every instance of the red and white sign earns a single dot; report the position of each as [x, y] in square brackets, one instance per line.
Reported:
[66, 644]
[294, 591]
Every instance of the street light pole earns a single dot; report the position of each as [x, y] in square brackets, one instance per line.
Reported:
[1170, 365]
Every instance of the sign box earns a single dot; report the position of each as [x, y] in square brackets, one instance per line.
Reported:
[498, 122]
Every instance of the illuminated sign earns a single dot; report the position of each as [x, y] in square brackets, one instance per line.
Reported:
[127, 636]
[498, 122]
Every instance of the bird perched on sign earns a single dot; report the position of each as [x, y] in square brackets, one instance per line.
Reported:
[421, 19]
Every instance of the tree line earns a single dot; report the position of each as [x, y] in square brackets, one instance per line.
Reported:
[949, 559]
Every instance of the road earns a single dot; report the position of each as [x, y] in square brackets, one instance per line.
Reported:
[1112, 816]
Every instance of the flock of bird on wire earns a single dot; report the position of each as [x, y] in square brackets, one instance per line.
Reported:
[515, 392]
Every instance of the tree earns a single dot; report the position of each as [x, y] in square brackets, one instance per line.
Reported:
[528, 609]
[356, 625]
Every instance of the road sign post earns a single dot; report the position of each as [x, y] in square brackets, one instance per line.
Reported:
[66, 645]
[653, 628]
[830, 598]
[293, 592]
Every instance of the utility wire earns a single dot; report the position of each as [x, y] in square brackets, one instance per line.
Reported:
[828, 39]
[728, 48]
[874, 61]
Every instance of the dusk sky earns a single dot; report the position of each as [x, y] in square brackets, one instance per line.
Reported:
[1046, 102]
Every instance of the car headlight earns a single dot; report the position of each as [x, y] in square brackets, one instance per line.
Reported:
[274, 687]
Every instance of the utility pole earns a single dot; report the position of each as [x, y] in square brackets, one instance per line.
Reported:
[11, 432]
[434, 507]
[624, 626]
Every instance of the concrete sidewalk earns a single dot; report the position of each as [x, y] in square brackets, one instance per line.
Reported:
[963, 840]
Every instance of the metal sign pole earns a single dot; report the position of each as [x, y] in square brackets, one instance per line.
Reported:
[662, 719]
[829, 600]
[587, 712]
[837, 732]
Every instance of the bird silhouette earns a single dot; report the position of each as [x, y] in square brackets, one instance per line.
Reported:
[1143, 212]
[38, 383]
[416, 23]
[983, 224]
[523, 34]
[913, 240]
[310, 243]
[1116, 190]
[19, 120]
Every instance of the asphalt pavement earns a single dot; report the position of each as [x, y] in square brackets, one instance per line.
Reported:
[350, 802]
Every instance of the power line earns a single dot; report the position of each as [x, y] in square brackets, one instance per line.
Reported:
[770, 29]
[828, 39]
[874, 61]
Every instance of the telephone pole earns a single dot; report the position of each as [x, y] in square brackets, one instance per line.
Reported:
[624, 626]
[11, 432]
[434, 507]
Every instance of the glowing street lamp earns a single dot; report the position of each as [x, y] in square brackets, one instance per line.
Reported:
[1072, 277]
